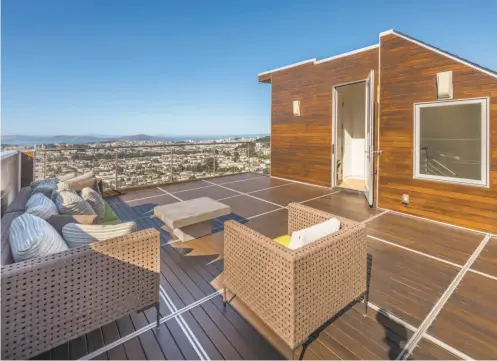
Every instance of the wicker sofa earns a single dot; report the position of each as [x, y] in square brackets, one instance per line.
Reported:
[295, 292]
[50, 300]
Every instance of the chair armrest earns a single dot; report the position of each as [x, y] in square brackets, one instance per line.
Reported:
[50, 300]
[260, 272]
[300, 217]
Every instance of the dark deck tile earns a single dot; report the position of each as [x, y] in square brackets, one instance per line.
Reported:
[256, 184]
[234, 177]
[487, 260]
[291, 193]
[427, 350]
[404, 283]
[246, 207]
[271, 225]
[137, 194]
[181, 187]
[213, 192]
[468, 320]
[345, 204]
[446, 242]
[111, 334]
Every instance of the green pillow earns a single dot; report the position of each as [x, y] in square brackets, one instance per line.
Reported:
[110, 216]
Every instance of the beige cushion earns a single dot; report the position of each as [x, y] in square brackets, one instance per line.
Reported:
[96, 202]
[41, 206]
[71, 204]
[32, 237]
[60, 220]
[79, 186]
[77, 235]
[306, 236]
[82, 177]
[67, 176]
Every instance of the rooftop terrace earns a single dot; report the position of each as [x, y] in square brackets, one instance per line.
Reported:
[432, 286]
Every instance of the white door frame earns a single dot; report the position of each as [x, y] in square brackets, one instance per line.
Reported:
[334, 111]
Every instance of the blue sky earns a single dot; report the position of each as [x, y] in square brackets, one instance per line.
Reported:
[190, 67]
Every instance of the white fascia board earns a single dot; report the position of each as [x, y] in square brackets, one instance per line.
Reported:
[315, 61]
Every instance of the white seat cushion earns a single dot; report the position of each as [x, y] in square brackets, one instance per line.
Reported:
[32, 237]
[40, 206]
[77, 235]
[95, 200]
[70, 203]
[306, 236]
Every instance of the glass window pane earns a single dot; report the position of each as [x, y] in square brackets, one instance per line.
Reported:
[450, 141]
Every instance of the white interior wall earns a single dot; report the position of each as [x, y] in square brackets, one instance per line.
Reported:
[352, 115]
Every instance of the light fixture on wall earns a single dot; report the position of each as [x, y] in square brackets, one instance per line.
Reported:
[296, 108]
[444, 85]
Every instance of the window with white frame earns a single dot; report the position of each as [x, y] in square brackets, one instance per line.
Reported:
[451, 141]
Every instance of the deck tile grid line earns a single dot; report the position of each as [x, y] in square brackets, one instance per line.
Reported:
[413, 342]
[184, 326]
[170, 194]
[374, 217]
[244, 180]
[427, 336]
[318, 197]
[246, 194]
[186, 190]
[149, 327]
[430, 256]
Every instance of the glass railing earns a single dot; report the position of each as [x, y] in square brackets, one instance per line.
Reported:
[122, 167]
[11, 177]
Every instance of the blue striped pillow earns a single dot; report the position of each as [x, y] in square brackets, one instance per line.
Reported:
[32, 237]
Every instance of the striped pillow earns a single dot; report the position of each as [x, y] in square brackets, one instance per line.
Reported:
[62, 186]
[45, 187]
[71, 204]
[96, 202]
[40, 206]
[32, 237]
[36, 183]
[77, 235]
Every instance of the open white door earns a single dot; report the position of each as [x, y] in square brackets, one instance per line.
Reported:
[369, 190]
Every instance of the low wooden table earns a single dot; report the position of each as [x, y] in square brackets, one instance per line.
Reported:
[191, 219]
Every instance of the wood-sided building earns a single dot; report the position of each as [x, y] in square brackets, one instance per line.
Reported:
[412, 126]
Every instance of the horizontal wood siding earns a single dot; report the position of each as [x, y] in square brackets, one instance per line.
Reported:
[301, 146]
[408, 76]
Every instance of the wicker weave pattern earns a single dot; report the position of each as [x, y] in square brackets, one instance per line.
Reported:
[50, 300]
[295, 292]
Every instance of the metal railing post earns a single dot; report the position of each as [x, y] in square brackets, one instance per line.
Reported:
[171, 165]
[116, 166]
[93, 161]
[44, 164]
[214, 160]
[248, 155]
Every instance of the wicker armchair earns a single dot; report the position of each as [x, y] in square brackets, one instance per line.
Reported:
[50, 300]
[296, 292]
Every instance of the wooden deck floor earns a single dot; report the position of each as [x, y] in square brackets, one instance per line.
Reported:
[414, 264]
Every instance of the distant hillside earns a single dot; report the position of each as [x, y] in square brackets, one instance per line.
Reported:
[83, 139]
